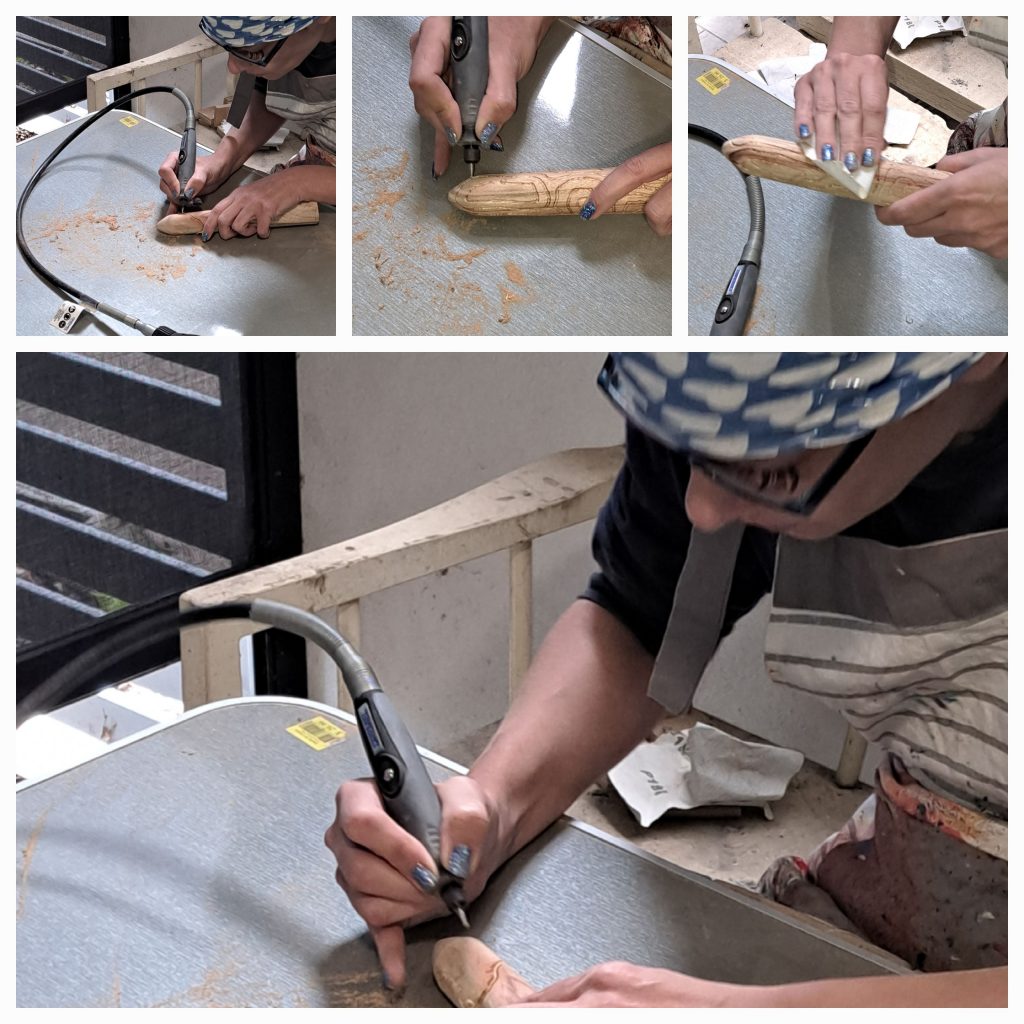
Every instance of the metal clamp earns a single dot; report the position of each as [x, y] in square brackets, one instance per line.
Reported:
[65, 317]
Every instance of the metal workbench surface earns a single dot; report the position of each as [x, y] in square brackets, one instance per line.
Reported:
[829, 266]
[92, 218]
[186, 867]
[420, 266]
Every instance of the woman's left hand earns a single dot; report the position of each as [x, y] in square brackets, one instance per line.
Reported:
[627, 985]
[647, 166]
[967, 209]
[250, 208]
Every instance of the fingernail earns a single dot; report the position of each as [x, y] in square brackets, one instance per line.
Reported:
[850, 160]
[588, 210]
[205, 237]
[452, 137]
[804, 131]
[433, 173]
[458, 862]
[497, 147]
[826, 152]
[488, 133]
[386, 980]
[869, 158]
[425, 879]
[189, 193]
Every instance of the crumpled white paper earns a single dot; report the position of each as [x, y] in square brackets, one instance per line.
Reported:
[702, 767]
[911, 27]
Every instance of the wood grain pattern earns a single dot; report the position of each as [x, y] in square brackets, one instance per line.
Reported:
[780, 160]
[542, 193]
[192, 223]
[472, 975]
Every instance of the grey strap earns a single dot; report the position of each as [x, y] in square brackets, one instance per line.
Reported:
[697, 614]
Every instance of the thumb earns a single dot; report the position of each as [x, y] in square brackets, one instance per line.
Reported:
[499, 102]
[197, 182]
[390, 943]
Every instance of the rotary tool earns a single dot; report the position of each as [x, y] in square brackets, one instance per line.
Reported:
[470, 61]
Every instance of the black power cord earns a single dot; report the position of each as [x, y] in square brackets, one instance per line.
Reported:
[737, 300]
[186, 164]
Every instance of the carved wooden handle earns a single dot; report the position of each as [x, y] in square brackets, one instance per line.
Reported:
[542, 193]
[779, 160]
[471, 975]
[192, 223]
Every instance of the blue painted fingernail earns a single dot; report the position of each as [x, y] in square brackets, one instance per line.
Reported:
[488, 133]
[804, 131]
[497, 147]
[425, 879]
[869, 158]
[386, 980]
[850, 160]
[205, 237]
[458, 862]
[452, 137]
[433, 173]
[189, 193]
[588, 210]
[826, 152]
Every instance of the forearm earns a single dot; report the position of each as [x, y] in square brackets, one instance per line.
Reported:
[311, 181]
[985, 987]
[861, 35]
[583, 706]
[258, 125]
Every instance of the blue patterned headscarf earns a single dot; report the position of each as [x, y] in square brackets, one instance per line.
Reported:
[756, 405]
[236, 32]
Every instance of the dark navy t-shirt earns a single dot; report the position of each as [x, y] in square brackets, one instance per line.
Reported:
[642, 532]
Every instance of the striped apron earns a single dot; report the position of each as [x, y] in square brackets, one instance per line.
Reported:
[909, 645]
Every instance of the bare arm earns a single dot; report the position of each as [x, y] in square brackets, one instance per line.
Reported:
[985, 987]
[257, 126]
[582, 708]
[861, 35]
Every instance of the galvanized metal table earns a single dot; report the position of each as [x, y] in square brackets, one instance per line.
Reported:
[419, 266]
[829, 266]
[186, 867]
[92, 221]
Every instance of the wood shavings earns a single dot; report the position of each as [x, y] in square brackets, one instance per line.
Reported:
[508, 297]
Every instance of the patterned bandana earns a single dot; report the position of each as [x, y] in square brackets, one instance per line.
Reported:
[237, 32]
[758, 405]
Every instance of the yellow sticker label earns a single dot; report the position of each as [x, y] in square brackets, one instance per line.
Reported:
[714, 81]
[129, 121]
[317, 733]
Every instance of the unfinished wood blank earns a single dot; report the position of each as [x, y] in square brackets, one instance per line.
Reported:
[542, 193]
[472, 975]
[193, 223]
[779, 160]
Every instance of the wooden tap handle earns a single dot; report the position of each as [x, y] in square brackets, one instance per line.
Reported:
[192, 223]
[542, 193]
[780, 160]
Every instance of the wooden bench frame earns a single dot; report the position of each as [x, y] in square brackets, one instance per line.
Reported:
[507, 514]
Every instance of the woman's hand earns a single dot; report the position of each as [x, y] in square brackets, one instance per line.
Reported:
[626, 985]
[390, 877]
[854, 88]
[512, 47]
[967, 209]
[249, 209]
[647, 166]
[208, 176]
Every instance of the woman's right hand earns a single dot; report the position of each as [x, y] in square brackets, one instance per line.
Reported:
[389, 876]
[854, 88]
[208, 176]
[512, 46]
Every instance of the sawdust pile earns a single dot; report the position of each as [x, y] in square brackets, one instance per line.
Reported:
[128, 241]
[422, 268]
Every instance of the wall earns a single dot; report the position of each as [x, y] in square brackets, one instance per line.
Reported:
[385, 435]
[149, 35]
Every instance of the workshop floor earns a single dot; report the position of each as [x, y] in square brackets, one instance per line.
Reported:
[735, 849]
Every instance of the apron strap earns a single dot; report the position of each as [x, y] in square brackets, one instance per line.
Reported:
[698, 611]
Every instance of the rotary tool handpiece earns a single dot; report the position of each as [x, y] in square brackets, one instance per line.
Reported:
[186, 163]
[470, 61]
[405, 788]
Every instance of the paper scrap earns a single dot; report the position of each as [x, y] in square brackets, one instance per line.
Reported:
[911, 27]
